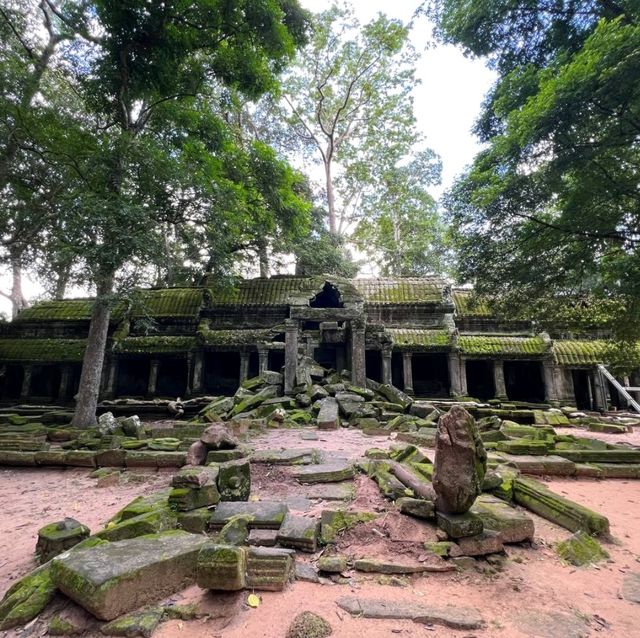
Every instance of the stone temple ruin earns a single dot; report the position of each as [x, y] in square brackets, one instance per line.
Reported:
[449, 483]
[419, 334]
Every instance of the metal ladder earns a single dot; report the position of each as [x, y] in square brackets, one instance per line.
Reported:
[624, 391]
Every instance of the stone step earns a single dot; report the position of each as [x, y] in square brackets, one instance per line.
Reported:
[511, 524]
[334, 472]
[266, 514]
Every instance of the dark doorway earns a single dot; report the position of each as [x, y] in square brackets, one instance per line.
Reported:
[276, 360]
[45, 381]
[431, 375]
[326, 357]
[616, 400]
[373, 363]
[583, 389]
[11, 382]
[172, 377]
[328, 297]
[254, 364]
[523, 380]
[480, 382]
[133, 377]
[397, 371]
[75, 370]
[221, 372]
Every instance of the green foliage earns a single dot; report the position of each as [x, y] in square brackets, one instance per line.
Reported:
[550, 207]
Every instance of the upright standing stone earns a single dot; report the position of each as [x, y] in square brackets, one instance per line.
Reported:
[460, 462]
[290, 355]
[328, 417]
[358, 362]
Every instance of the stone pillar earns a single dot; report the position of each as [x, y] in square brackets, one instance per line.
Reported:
[457, 375]
[601, 391]
[386, 365]
[112, 375]
[26, 382]
[189, 385]
[498, 379]
[407, 372]
[263, 359]
[65, 377]
[153, 377]
[198, 369]
[551, 391]
[358, 358]
[244, 366]
[290, 354]
[341, 364]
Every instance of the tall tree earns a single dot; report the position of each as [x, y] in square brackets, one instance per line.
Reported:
[551, 207]
[348, 100]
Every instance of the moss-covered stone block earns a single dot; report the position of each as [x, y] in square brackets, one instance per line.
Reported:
[26, 598]
[157, 520]
[581, 549]
[194, 521]
[221, 567]
[185, 499]
[459, 525]
[335, 522]
[269, 568]
[55, 538]
[140, 623]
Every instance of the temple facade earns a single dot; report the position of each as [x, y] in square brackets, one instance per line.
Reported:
[421, 334]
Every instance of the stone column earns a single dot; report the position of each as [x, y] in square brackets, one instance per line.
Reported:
[198, 368]
[244, 366]
[498, 379]
[358, 357]
[386, 365]
[290, 354]
[263, 359]
[65, 377]
[457, 375]
[26, 382]
[601, 391]
[407, 372]
[551, 393]
[112, 375]
[189, 385]
[153, 377]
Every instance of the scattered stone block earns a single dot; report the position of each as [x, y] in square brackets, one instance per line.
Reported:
[302, 456]
[185, 499]
[222, 456]
[394, 395]
[157, 520]
[197, 476]
[459, 525]
[197, 453]
[328, 417]
[26, 598]
[335, 522]
[269, 569]
[139, 623]
[551, 624]
[111, 458]
[262, 537]
[417, 507]
[55, 538]
[153, 458]
[50, 458]
[512, 525]
[373, 565]
[485, 543]
[330, 491]
[80, 458]
[236, 531]
[234, 480]
[449, 616]
[460, 462]
[221, 567]
[581, 549]
[443, 548]
[333, 564]
[195, 521]
[299, 532]
[334, 472]
[550, 464]
[562, 511]
[266, 514]
[306, 573]
[631, 587]
[114, 578]
[132, 426]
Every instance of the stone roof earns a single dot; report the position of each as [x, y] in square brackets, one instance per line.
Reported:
[468, 305]
[424, 339]
[59, 350]
[156, 344]
[575, 352]
[493, 345]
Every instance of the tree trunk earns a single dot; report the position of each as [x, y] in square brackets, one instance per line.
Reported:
[87, 402]
[18, 301]
[263, 257]
[62, 281]
[331, 204]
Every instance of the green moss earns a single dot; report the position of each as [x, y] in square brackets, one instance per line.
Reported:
[141, 623]
[339, 521]
[487, 345]
[59, 350]
[155, 344]
[424, 339]
[59, 626]
[27, 598]
[308, 625]
[581, 549]
[181, 612]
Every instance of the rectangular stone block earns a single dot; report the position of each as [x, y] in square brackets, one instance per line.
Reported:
[299, 532]
[185, 499]
[459, 525]
[234, 480]
[195, 521]
[328, 417]
[112, 579]
[333, 472]
[269, 569]
[485, 543]
[512, 525]
[266, 514]
[221, 567]
[199, 476]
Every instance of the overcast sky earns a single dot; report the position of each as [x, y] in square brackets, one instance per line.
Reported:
[447, 101]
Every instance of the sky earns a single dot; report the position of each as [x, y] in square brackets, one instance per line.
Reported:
[447, 101]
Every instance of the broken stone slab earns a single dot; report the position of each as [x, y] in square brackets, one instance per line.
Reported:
[330, 491]
[512, 525]
[55, 538]
[236, 531]
[394, 395]
[112, 579]
[195, 521]
[221, 567]
[335, 522]
[317, 393]
[302, 456]
[306, 573]
[299, 532]
[138, 458]
[416, 507]
[581, 549]
[157, 520]
[262, 537]
[218, 437]
[197, 476]
[523, 447]
[139, 623]
[551, 624]
[143, 505]
[132, 426]
[333, 564]
[374, 565]
[631, 587]
[253, 401]
[421, 409]
[266, 514]
[390, 487]
[449, 616]
[269, 569]
[111, 458]
[185, 499]
[459, 525]
[460, 462]
[562, 511]
[197, 453]
[601, 456]
[480, 545]
[234, 480]
[328, 417]
[334, 472]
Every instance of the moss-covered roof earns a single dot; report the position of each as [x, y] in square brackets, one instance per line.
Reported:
[183, 303]
[47, 350]
[468, 304]
[263, 292]
[58, 310]
[236, 337]
[573, 352]
[502, 345]
[402, 290]
[429, 339]
[157, 344]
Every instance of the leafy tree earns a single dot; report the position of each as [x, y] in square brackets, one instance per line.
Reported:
[348, 102]
[401, 231]
[551, 207]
